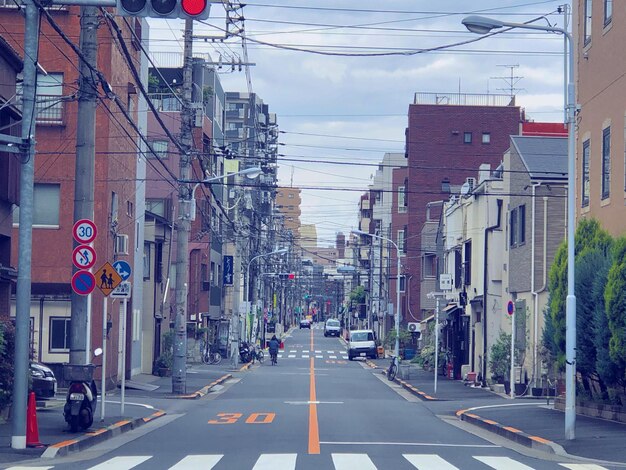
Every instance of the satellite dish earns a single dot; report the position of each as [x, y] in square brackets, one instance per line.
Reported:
[465, 189]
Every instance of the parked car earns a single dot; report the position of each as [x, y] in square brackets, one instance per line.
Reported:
[362, 343]
[332, 327]
[44, 383]
[305, 323]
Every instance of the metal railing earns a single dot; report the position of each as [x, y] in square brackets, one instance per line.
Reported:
[166, 102]
[463, 99]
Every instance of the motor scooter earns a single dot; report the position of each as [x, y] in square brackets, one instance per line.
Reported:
[82, 395]
[244, 352]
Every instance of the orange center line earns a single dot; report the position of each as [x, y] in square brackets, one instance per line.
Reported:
[314, 433]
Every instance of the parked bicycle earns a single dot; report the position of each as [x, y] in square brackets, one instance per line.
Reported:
[257, 354]
[211, 356]
[393, 368]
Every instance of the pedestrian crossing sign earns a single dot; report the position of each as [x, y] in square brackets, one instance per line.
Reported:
[107, 278]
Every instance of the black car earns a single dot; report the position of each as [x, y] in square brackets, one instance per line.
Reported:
[44, 383]
[305, 323]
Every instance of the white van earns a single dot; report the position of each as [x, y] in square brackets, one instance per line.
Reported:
[362, 343]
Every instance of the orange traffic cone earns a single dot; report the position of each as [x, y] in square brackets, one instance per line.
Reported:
[32, 430]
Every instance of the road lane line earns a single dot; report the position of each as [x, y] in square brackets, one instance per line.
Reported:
[314, 432]
[193, 462]
[122, 463]
[275, 462]
[429, 462]
[502, 463]
[352, 461]
[582, 466]
[419, 444]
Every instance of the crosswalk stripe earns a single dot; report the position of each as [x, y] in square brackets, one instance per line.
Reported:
[122, 463]
[29, 468]
[276, 462]
[193, 462]
[429, 462]
[352, 461]
[582, 466]
[502, 463]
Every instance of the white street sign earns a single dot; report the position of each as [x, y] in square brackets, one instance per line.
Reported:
[445, 282]
[122, 291]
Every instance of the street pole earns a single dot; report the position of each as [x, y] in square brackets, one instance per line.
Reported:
[25, 237]
[84, 171]
[397, 352]
[179, 374]
[436, 343]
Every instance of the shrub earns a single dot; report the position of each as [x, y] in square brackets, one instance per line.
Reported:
[7, 352]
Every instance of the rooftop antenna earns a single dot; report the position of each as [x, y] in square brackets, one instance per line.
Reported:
[510, 81]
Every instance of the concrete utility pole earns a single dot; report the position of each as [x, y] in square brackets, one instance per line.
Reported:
[84, 171]
[22, 314]
[183, 227]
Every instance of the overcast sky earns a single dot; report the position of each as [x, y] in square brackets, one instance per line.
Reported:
[348, 109]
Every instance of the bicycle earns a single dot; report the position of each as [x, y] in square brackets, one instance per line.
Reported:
[274, 356]
[393, 368]
[257, 354]
[211, 356]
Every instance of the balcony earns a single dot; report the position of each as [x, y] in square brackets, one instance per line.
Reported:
[463, 99]
[166, 102]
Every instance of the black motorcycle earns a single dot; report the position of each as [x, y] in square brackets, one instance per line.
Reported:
[245, 355]
[82, 395]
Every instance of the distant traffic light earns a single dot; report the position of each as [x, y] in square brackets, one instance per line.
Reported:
[186, 9]
[285, 276]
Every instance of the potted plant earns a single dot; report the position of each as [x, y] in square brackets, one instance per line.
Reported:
[163, 363]
[500, 361]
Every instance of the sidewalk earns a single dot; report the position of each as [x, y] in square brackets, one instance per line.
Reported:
[147, 398]
[527, 421]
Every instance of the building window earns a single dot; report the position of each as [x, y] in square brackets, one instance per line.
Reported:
[49, 100]
[160, 149]
[401, 199]
[587, 24]
[606, 163]
[46, 203]
[59, 334]
[467, 265]
[467, 137]
[429, 268]
[608, 11]
[402, 283]
[130, 210]
[585, 173]
[146, 261]
[486, 138]
[458, 268]
[517, 226]
[400, 242]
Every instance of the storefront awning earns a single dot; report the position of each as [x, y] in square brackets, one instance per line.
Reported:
[450, 308]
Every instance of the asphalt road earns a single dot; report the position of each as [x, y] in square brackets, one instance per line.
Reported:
[315, 410]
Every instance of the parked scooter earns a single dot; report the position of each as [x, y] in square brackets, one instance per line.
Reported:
[244, 352]
[82, 396]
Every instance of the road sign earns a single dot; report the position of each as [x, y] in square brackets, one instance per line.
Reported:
[84, 231]
[83, 282]
[445, 282]
[123, 269]
[510, 307]
[107, 278]
[122, 291]
[227, 273]
[84, 257]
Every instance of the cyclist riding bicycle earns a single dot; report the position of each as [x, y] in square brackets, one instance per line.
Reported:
[273, 345]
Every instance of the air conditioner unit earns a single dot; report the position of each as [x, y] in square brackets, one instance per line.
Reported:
[413, 327]
[121, 245]
[471, 182]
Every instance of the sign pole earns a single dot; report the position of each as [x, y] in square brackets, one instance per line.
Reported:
[512, 374]
[124, 304]
[436, 343]
[104, 356]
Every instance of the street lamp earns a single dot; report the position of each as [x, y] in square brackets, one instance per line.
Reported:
[250, 173]
[482, 25]
[397, 320]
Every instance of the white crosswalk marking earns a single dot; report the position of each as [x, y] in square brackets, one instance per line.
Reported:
[193, 462]
[276, 462]
[429, 462]
[344, 357]
[29, 468]
[122, 463]
[318, 356]
[502, 463]
[352, 462]
[332, 357]
[582, 466]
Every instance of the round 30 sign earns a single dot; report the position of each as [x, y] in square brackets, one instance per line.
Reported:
[84, 231]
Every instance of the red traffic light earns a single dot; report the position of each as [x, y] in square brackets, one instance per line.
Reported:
[193, 7]
[292, 276]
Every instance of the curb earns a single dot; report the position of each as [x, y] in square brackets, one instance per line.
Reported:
[90, 439]
[508, 432]
[414, 390]
[207, 388]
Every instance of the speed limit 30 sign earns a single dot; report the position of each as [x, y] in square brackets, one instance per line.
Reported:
[84, 231]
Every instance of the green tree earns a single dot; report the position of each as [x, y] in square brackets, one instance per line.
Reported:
[7, 350]
[615, 305]
[358, 295]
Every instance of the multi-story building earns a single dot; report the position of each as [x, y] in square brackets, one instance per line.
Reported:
[10, 66]
[448, 136]
[116, 156]
[288, 202]
[599, 31]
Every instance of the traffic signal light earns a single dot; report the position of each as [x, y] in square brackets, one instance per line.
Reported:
[186, 9]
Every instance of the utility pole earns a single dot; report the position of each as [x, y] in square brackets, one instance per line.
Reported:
[183, 227]
[22, 314]
[84, 171]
